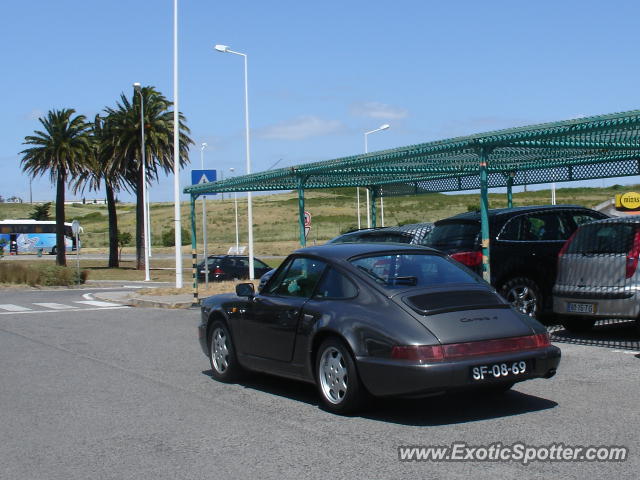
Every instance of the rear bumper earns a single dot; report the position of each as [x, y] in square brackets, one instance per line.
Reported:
[619, 303]
[386, 377]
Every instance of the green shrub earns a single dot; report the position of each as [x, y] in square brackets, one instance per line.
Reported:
[169, 237]
[42, 274]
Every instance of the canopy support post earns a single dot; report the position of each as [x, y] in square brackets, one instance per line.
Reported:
[484, 213]
[303, 238]
[194, 252]
[373, 191]
[510, 176]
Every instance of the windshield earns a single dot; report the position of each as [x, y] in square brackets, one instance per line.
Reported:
[453, 235]
[603, 238]
[419, 270]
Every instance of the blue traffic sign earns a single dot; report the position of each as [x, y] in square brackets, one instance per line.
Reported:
[203, 176]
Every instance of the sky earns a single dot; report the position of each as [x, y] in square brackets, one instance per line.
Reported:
[320, 73]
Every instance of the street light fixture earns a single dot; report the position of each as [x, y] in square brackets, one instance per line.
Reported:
[235, 204]
[204, 223]
[226, 49]
[366, 150]
[138, 88]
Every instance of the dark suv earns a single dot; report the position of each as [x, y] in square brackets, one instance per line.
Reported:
[525, 242]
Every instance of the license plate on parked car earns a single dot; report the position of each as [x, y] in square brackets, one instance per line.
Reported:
[500, 370]
[581, 307]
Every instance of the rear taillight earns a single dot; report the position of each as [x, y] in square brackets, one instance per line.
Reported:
[470, 259]
[564, 248]
[218, 271]
[437, 353]
[418, 353]
[632, 256]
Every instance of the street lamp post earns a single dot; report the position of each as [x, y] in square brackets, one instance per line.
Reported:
[366, 150]
[235, 204]
[138, 88]
[204, 223]
[176, 152]
[225, 49]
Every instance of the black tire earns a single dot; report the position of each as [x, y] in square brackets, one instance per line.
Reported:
[54, 250]
[222, 354]
[524, 294]
[337, 378]
[578, 324]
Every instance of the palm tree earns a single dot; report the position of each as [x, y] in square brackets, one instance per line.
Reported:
[62, 149]
[158, 128]
[101, 168]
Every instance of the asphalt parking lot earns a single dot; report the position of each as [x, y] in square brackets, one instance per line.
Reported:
[126, 393]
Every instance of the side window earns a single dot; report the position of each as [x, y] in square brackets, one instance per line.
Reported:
[511, 231]
[335, 285]
[582, 217]
[544, 226]
[536, 227]
[299, 279]
[259, 264]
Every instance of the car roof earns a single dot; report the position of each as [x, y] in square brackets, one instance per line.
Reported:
[344, 251]
[494, 212]
[629, 219]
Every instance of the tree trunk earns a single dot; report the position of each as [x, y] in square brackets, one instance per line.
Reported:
[113, 227]
[139, 222]
[61, 258]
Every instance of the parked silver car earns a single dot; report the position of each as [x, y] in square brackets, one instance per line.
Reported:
[598, 275]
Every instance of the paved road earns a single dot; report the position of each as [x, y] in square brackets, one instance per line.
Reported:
[105, 393]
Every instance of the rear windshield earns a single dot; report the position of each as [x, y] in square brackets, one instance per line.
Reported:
[421, 270]
[603, 238]
[375, 237]
[453, 235]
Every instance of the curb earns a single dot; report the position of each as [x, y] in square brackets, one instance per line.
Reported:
[148, 303]
[144, 301]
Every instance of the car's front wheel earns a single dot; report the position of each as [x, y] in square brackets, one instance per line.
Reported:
[524, 294]
[578, 325]
[337, 378]
[222, 354]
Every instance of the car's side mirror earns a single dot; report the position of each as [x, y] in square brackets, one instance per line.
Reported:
[245, 290]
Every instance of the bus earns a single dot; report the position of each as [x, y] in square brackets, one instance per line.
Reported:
[33, 235]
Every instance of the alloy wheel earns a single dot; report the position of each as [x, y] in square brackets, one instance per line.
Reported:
[219, 350]
[333, 375]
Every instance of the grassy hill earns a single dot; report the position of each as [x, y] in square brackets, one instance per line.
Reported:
[276, 216]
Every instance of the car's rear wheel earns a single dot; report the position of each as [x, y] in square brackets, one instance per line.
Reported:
[222, 354]
[578, 325]
[524, 294]
[337, 378]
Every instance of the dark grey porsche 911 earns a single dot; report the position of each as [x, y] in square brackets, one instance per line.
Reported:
[374, 319]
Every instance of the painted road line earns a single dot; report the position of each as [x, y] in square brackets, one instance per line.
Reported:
[96, 303]
[55, 306]
[34, 312]
[14, 308]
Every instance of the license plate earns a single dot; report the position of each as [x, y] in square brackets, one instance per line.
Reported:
[581, 307]
[500, 370]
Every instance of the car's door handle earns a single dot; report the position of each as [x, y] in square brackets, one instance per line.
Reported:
[308, 318]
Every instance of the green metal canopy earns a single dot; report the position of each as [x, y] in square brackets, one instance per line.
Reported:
[586, 148]
[602, 146]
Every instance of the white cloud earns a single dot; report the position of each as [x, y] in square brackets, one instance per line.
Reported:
[378, 110]
[300, 128]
